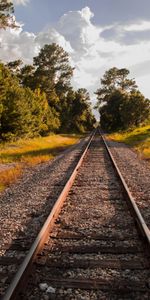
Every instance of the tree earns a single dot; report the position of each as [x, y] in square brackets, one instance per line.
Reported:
[6, 11]
[38, 99]
[136, 110]
[26, 76]
[114, 79]
[120, 104]
[82, 118]
[53, 72]
[23, 112]
[15, 65]
[113, 111]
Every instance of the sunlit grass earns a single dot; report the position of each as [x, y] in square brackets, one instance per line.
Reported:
[34, 160]
[42, 148]
[139, 139]
[9, 176]
[31, 152]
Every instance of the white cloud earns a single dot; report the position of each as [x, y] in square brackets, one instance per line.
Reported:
[20, 2]
[140, 26]
[53, 36]
[76, 27]
[90, 53]
[17, 44]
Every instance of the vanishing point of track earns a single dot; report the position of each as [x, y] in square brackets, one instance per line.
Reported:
[94, 244]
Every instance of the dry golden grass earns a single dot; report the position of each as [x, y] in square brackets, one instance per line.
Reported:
[46, 147]
[139, 139]
[9, 176]
[31, 152]
[34, 160]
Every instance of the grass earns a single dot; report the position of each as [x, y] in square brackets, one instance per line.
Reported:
[31, 152]
[139, 139]
[9, 176]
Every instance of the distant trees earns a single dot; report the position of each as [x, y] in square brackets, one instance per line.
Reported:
[76, 111]
[38, 99]
[6, 11]
[120, 104]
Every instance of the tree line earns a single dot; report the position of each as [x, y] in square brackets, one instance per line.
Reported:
[38, 99]
[121, 105]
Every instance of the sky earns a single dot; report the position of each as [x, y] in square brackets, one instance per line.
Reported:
[97, 34]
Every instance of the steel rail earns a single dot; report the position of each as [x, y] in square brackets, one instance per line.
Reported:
[144, 230]
[17, 285]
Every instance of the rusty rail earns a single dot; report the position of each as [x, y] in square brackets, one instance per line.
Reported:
[17, 285]
[144, 230]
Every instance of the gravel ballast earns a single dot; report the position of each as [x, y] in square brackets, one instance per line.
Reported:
[93, 241]
[136, 173]
[26, 204]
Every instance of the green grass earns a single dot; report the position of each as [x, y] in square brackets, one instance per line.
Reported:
[31, 152]
[139, 139]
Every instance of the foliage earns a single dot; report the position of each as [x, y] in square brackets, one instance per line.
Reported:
[82, 118]
[15, 66]
[38, 99]
[139, 138]
[53, 72]
[120, 104]
[23, 112]
[114, 79]
[6, 11]
[76, 112]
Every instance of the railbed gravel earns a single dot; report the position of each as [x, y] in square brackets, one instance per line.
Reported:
[91, 207]
[136, 172]
[26, 204]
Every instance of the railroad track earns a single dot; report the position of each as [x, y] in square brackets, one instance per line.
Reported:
[94, 244]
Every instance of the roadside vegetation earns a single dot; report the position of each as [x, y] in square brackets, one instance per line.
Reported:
[16, 155]
[124, 110]
[138, 138]
[39, 108]
[121, 105]
[9, 175]
[38, 99]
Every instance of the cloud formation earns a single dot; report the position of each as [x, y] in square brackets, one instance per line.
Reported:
[20, 2]
[93, 49]
[132, 33]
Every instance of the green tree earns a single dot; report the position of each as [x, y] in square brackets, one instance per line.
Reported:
[53, 71]
[113, 112]
[6, 11]
[82, 117]
[15, 66]
[26, 76]
[114, 79]
[135, 110]
[23, 112]
[66, 110]
[120, 104]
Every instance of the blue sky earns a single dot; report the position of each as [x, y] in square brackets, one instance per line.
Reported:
[39, 13]
[97, 34]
